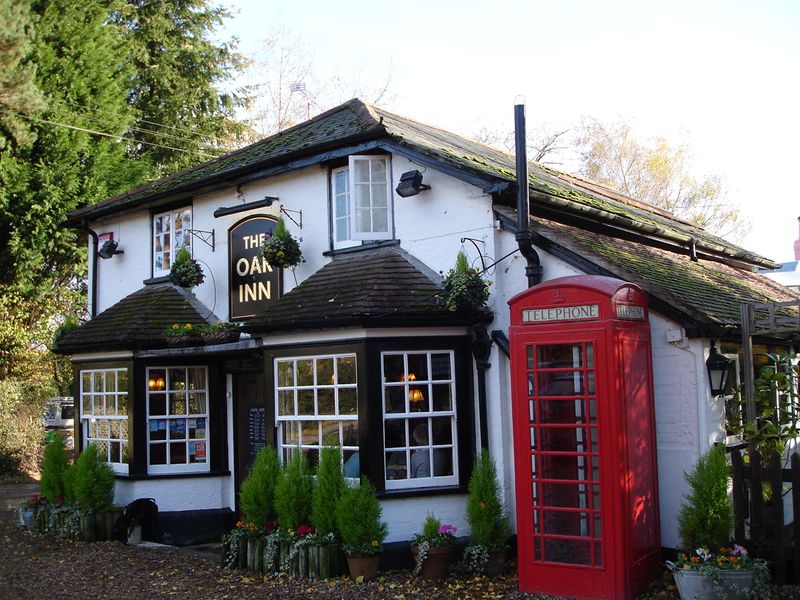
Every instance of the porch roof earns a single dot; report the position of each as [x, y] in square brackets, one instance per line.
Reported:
[378, 287]
[136, 322]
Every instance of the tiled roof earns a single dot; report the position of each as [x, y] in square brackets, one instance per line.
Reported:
[367, 287]
[708, 293]
[137, 321]
[357, 121]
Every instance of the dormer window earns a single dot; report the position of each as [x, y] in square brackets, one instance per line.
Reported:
[362, 199]
[171, 231]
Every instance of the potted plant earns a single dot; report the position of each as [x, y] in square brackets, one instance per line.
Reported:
[220, 332]
[709, 567]
[182, 334]
[293, 507]
[281, 249]
[28, 510]
[464, 288]
[432, 548]
[487, 519]
[358, 517]
[186, 271]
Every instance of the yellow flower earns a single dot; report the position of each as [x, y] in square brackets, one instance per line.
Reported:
[375, 543]
[188, 326]
[175, 325]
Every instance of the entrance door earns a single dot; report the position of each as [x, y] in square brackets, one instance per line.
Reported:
[559, 488]
[251, 421]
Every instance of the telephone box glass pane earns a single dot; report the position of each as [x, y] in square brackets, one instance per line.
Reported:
[575, 552]
[560, 356]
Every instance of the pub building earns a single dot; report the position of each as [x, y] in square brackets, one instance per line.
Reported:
[587, 363]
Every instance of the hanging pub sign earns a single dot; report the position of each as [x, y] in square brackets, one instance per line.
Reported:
[253, 282]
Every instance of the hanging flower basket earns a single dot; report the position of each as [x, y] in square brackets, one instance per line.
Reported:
[281, 249]
[186, 271]
[464, 288]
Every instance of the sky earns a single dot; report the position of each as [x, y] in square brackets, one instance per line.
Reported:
[722, 74]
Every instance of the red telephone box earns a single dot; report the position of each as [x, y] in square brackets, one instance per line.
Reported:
[584, 439]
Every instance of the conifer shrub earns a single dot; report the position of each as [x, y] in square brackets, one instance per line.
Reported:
[93, 480]
[69, 484]
[358, 517]
[55, 464]
[293, 493]
[327, 490]
[257, 492]
[706, 518]
[488, 522]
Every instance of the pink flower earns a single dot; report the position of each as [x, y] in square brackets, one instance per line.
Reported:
[304, 530]
[739, 550]
[445, 529]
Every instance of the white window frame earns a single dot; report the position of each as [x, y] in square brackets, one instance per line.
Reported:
[169, 387]
[100, 408]
[356, 233]
[289, 391]
[341, 209]
[426, 386]
[166, 232]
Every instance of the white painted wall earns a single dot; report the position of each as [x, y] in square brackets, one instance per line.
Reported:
[196, 493]
[405, 516]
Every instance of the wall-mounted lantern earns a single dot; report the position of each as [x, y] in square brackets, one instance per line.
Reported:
[718, 369]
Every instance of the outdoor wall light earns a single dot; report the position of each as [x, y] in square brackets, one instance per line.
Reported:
[718, 369]
[411, 184]
[109, 249]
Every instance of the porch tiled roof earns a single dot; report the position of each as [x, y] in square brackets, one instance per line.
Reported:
[137, 321]
[709, 293]
[369, 287]
[356, 121]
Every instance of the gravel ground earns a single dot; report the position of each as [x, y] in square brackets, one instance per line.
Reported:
[38, 567]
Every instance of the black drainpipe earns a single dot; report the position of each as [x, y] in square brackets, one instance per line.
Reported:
[533, 270]
[93, 307]
[481, 350]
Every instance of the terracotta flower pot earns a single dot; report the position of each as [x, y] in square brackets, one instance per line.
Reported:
[437, 562]
[363, 565]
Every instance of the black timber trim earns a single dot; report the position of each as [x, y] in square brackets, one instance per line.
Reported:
[362, 247]
[398, 319]
[693, 326]
[241, 175]
[477, 179]
[155, 280]
[232, 210]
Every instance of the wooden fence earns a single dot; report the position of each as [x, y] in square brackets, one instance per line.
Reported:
[755, 504]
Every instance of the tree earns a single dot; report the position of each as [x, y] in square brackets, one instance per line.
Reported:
[183, 117]
[543, 144]
[656, 173]
[18, 91]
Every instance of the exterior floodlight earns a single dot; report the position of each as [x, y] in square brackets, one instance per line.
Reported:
[109, 249]
[411, 184]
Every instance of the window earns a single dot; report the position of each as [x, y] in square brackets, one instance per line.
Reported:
[361, 195]
[316, 403]
[177, 419]
[419, 419]
[104, 414]
[171, 231]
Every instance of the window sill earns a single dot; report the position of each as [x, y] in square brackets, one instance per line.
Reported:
[154, 280]
[361, 247]
[419, 492]
[173, 475]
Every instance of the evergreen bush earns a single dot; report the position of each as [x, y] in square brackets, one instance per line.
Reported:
[706, 518]
[69, 484]
[327, 490]
[358, 517]
[55, 464]
[293, 493]
[257, 492]
[93, 480]
[488, 522]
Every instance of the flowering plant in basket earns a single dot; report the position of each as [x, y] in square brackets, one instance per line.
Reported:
[434, 535]
[219, 333]
[281, 249]
[464, 288]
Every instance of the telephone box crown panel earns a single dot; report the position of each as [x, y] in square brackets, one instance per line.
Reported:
[582, 298]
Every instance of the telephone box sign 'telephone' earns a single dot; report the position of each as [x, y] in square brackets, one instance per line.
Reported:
[584, 439]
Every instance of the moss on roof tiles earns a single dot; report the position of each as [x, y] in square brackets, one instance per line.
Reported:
[711, 290]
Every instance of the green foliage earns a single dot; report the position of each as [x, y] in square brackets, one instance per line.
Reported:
[55, 464]
[175, 85]
[186, 271]
[487, 520]
[776, 400]
[257, 492]
[281, 249]
[21, 431]
[430, 528]
[706, 518]
[293, 493]
[464, 288]
[358, 517]
[69, 483]
[93, 480]
[327, 490]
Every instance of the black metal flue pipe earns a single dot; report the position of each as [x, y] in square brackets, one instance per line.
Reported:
[533, 269]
